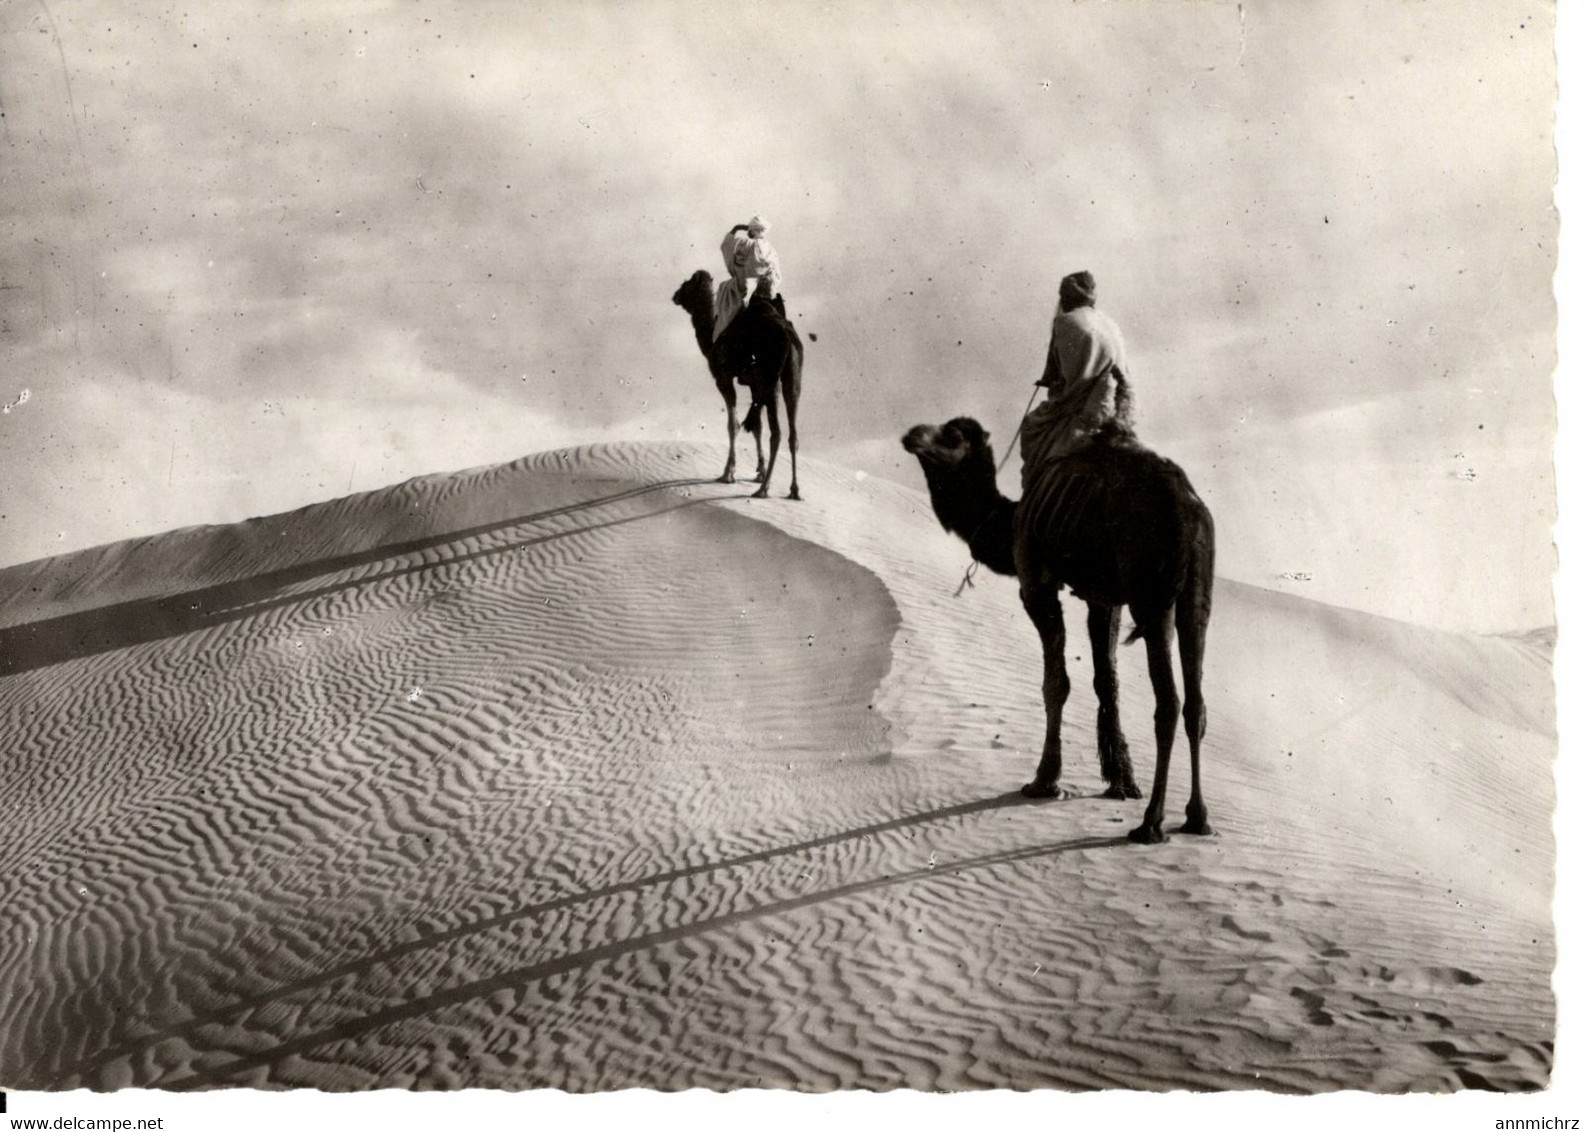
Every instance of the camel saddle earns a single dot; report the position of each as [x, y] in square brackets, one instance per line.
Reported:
[1068, 494]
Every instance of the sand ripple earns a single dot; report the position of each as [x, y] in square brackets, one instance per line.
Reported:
[581, 773]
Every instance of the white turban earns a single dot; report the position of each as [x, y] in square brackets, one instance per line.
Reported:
[757, 226]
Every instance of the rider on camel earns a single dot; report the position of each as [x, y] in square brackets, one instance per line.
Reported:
[753, 270]
[1085, 375]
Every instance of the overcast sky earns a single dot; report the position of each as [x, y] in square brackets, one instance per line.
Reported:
[255, 256]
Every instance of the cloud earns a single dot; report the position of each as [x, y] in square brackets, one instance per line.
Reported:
[107, 460]
[1290, 208]
[1446, 522]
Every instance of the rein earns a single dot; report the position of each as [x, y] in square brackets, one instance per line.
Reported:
[1014, 440]
[966, 582]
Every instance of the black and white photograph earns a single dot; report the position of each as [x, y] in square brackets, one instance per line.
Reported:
[781, 548]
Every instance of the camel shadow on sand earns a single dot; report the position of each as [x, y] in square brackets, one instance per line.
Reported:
[222, 1074]
[89, 632]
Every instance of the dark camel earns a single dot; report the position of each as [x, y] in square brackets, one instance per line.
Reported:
[762, 349]
[1133, 533]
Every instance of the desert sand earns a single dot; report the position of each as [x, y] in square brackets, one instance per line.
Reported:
[586, 772]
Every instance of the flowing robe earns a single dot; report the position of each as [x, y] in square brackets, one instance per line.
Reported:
[1086, 360]
[746, 259]
[731, 292]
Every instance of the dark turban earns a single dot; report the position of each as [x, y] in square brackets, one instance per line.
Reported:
[1078, 289]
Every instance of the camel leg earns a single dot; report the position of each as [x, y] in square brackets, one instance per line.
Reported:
[753, 425]
[791, 400]
[1042, 606]
[733, 433]
[1114, 754]
[1166, 714]
[774, 436]
[1191, 623]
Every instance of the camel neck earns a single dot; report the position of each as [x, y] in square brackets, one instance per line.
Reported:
[984, 518]
[702, 318]
[993, 542]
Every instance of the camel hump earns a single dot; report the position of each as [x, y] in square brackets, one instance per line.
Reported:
[1115, 449]
[769, 303]
[1071, 493]
[765, 309]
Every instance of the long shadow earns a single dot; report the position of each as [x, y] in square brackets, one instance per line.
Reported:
[88, 632]
[535, 972]
[363, 963]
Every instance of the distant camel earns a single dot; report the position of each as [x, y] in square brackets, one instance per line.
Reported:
[762, 349]
[1120, 526]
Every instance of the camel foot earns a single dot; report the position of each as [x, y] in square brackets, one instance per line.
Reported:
[1040, 789]
[1197, 819]
[726, 477]
[794, 493]
[1146, 834]
[1121, 792]
[762, 494]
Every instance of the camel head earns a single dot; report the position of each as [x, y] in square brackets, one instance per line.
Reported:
[962, 482]
[695, 293]
[960, 444]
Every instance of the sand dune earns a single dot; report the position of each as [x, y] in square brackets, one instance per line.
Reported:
[584, 772]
